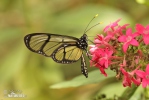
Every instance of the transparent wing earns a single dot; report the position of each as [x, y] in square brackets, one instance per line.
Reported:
[67, 54]
[45, 43]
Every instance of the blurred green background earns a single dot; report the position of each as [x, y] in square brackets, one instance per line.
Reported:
[21, 69]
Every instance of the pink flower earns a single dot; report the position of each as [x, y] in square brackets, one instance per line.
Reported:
[129, 78]
[105, 53]
[104, 61]
[97, 54]
[119, 29]
[100, 39]
[111, 34]
[128, 39]
[126, 79]
[92, 48]
[111, 25]
[101, 58]
[124, 63]
[144, 76]
[144, 31]
[135, 79]
[102, 70]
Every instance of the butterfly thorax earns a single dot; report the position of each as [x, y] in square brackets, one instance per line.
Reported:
[82, 43]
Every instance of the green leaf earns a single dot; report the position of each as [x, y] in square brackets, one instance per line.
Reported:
[94, 77]
[138, 94]
[129, 92]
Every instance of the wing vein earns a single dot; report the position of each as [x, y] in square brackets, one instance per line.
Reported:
[52, 47]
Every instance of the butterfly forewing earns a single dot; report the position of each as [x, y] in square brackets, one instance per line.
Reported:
[50, 47]
[45, 44]
[35, 42]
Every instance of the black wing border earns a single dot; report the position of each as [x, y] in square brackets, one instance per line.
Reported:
[28, 37]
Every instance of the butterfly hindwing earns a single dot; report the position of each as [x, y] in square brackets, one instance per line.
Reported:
[67, 53]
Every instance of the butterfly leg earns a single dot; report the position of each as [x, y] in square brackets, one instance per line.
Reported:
[84, 66]
[88, 55]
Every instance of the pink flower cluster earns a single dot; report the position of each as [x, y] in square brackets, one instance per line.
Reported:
[124, 51]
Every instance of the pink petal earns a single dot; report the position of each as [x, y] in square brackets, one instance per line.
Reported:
[139, 28]
[147, 27]
[135, 34]
[100, 37]
[115, 23]
[106, 28]
[103, 62]
[122, 38]
[146, 39]
[129, 32]
[110, 33]
[111, 25]
[123, 71]
[147, 80]
[144, 83]
[125, 46]
[107, 38]
[106, 63]
[102, 71]
[126, 81]
[124, 26]
[137, 82]
[134, 42]
[147, 69]
[92, 48]
[96, 41]
[140, 73]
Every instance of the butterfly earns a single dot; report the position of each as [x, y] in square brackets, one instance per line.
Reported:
[61, 48]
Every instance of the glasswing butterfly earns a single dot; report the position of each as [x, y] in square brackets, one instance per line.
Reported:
[61, 48]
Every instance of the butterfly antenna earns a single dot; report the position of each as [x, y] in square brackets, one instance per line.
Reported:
[89, 23]
[92, 27]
